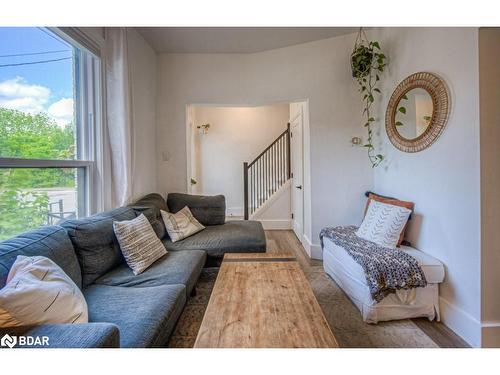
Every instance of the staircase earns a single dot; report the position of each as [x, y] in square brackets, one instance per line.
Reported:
[266, 174]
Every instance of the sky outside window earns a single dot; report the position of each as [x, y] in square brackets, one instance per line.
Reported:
[36, 74]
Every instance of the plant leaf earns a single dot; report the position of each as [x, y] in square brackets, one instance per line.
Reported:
[398, 123]
[376, 45]
[377, 90]
[402, 110]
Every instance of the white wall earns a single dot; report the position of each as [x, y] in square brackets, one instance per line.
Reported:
[143, 73]
[442, 180]
[317, 71]
[236, 135]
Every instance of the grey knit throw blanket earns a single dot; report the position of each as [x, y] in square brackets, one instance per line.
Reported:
[386, 270]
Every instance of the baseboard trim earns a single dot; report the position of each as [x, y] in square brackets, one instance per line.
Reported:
[306, 244]
[490, 335]
[461, 322]
[271, 224]
[313, 250]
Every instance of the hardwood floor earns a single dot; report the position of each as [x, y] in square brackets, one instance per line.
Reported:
[286, 243]
[440, 334]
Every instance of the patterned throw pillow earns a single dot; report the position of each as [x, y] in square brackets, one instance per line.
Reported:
[383, 224]
[181, 224]
[139, 243]
[38, 292]
[394, 202]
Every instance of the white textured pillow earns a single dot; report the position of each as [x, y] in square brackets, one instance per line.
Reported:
[383, 224]
[181, 224]
[139, 243]
[38, 292]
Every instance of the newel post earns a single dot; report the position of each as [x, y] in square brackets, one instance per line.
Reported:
[245, 190]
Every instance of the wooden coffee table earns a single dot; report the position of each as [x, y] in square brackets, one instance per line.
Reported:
[263, 301]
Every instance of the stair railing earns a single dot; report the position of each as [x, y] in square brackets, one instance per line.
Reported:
[267, 173]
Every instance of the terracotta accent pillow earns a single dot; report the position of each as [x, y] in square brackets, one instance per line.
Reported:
[394, 202]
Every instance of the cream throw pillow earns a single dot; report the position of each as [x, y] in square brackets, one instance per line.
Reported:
[383, 224]
[181, 224]
[139, 243]
[38, 292]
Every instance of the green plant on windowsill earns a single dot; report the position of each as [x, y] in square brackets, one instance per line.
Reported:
[367, 63]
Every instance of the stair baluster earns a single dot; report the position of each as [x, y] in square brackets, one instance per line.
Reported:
[266, 174]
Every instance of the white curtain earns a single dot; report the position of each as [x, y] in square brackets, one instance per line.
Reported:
[119, 117]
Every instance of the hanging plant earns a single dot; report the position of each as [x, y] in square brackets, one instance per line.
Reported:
[367, 63]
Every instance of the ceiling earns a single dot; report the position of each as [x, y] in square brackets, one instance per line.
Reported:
[234, 39]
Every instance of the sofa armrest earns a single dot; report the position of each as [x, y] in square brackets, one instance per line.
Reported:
[208, 210]
[88, 335]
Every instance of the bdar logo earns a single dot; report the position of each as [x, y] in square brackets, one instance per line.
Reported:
[8, 340]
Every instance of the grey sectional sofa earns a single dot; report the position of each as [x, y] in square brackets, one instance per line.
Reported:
[127, 310]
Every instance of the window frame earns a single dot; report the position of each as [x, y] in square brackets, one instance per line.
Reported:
[89, 124]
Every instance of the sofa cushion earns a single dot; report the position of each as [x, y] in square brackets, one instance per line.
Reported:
[181, 224]
[233, 237]
[395, 202]
[151, 200]
[87, 335]
[138, 242]
[145, 316]
[176, 267]
[38, 292]
[383, 224]
[208, 210]
[50, 241]
[151, 205]
[95, 242]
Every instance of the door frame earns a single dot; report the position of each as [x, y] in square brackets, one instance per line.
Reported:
[299, 113]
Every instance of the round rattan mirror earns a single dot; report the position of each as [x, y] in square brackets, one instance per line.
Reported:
[417, 112]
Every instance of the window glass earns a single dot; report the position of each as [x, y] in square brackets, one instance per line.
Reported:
[48, 103]
[37, 95]
[30, 197]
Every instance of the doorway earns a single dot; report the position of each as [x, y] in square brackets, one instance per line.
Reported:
[221, 137]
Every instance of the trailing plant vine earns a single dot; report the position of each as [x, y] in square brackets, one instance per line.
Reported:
[367, 63]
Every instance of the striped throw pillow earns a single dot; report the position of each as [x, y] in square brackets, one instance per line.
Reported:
[181, 224]
[383, 224]
[139, 243]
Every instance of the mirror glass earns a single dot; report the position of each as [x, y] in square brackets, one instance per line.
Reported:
[413, 113]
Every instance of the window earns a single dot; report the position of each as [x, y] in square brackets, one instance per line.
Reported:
[49, 87]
